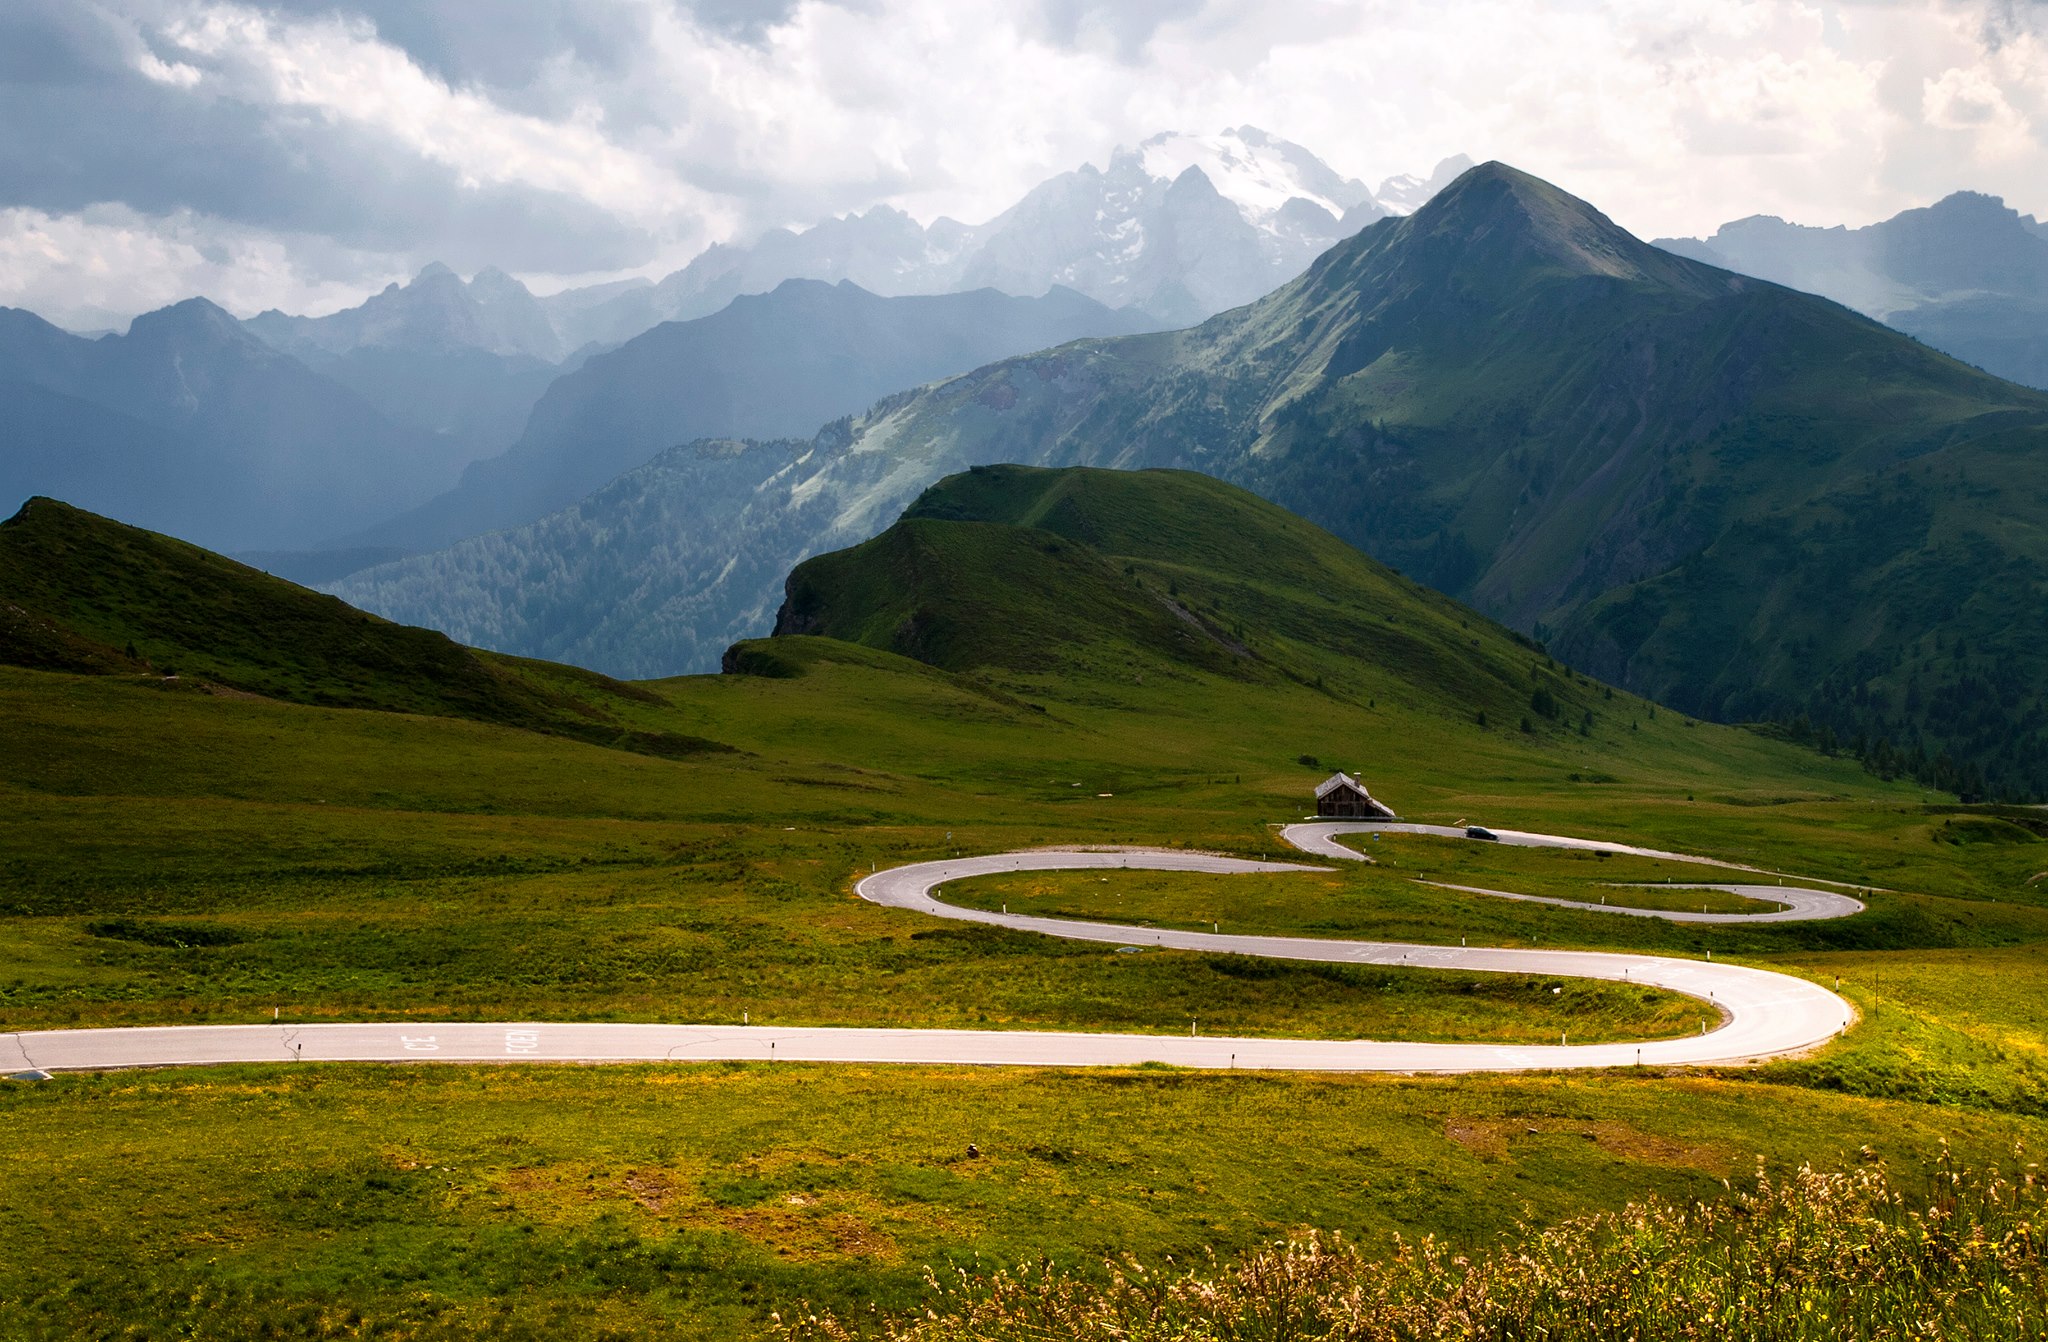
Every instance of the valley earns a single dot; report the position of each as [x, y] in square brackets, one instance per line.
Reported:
[180, 852]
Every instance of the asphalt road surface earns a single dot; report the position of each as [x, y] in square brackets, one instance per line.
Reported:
[1759, 1013]
[1797, 904]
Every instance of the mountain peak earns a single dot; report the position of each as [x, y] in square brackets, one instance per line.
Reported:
[1973, 203]
[1978, 215]
[491, 282]
[1256, 171]
[1498, 216]
[434, 270]
[193, 316]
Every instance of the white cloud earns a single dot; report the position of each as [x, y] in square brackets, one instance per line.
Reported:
[1672, 115]
[96, 268]
[177, 74]
[1971, 101]
[340, 69]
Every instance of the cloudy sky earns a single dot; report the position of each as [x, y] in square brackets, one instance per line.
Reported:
[300, 153]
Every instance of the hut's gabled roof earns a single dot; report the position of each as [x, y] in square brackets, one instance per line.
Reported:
[1337, 780]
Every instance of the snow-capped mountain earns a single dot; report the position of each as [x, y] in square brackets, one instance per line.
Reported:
[1180, 226]
[1257, 172]
[1408, 193]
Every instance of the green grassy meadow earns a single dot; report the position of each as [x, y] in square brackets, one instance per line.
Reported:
[173, 856]
[179, 851]
[453, 1202]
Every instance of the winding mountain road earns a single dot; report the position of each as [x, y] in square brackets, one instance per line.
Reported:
[1798, 904]
[1761, 1014]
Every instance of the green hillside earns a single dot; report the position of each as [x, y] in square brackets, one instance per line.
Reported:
[1744, 501]
[1060, 583]
[79, 592]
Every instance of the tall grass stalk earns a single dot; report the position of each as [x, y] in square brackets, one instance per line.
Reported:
[1819, 1256]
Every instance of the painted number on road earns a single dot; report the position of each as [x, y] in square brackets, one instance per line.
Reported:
[419, 1043]
[522, 1041]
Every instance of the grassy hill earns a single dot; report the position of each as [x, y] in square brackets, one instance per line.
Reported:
[1080, 581]
[1738, 499]
[79, 592]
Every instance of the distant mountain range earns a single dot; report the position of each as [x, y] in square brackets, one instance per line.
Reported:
[276, 432]
[190, 424]
[768, 365]
[1180, 227]
[375, 409]
[492, 312]
[1967, 275]
[1730, 496]
[464, 361]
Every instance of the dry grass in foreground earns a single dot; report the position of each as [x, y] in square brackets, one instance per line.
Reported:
[1816, 1256]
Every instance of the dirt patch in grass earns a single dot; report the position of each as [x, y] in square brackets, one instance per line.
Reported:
[799, 1226]
[795, 1223]
[654, 1190]
[780, 1164]
[1494, 1139]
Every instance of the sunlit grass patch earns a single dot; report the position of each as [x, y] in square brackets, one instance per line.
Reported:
[1812, 1255]
[689, 1201]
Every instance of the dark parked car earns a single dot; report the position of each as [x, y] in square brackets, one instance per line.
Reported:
[1480, 832]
